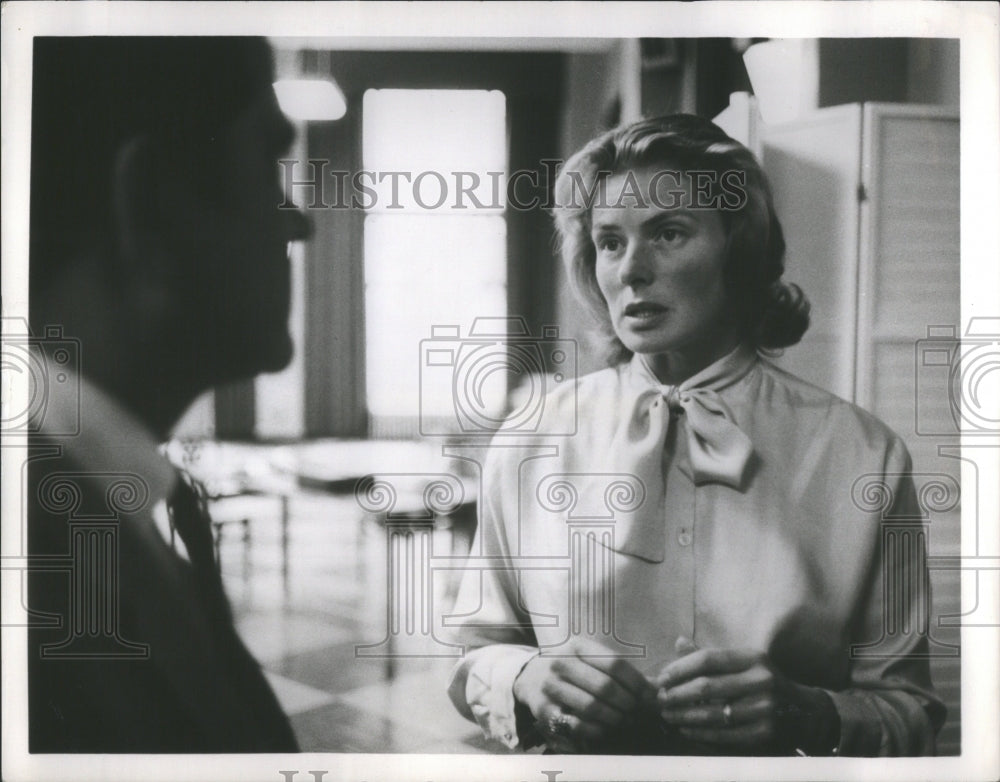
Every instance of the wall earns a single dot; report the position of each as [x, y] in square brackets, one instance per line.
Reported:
[933, 71]
[601, 90]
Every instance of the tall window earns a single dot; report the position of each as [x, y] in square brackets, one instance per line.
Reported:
[434, 238]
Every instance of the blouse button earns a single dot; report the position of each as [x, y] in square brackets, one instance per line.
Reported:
[684, 537]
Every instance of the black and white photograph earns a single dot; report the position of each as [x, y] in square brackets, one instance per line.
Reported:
[502, 391]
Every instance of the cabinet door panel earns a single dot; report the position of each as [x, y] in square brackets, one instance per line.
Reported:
[814, 167]
[909, 263]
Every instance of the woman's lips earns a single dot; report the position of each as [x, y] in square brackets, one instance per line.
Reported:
[644, 315]
[643, 310]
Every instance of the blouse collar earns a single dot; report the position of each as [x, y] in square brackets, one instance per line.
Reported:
[718, 375]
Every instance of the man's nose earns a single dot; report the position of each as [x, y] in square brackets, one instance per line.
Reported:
[297, 226]
[635, 268]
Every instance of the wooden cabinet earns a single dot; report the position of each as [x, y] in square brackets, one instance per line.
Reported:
[868, 195]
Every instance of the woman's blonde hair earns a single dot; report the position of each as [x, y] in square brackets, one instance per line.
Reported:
[774, 314]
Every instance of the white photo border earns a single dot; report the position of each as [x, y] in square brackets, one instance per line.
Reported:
[386, 25]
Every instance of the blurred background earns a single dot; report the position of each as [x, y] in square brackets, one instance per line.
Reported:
[434, 305]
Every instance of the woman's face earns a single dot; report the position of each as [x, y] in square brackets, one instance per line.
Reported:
[660, 267]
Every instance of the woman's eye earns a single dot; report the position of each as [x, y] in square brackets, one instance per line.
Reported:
[669, 234]
[609, 244]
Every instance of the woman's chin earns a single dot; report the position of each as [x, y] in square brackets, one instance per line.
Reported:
[645, 344]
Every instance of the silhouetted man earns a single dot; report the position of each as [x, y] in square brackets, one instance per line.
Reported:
[157, 244]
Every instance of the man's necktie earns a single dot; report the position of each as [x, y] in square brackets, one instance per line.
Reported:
[189, 515]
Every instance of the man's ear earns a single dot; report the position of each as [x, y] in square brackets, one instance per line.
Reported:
[133, 182]
[144, 265]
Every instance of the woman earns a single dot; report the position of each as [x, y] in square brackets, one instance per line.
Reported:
[688, 573]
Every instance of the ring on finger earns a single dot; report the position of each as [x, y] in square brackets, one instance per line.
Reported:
[727, 715]
[559, 723]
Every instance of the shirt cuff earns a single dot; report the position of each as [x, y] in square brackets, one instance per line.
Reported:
[489, 691]
[856, 735]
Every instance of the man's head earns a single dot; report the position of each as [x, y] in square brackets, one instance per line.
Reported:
[154, 181]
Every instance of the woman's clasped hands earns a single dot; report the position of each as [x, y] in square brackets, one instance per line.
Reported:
[734, 698]
[583, 698]
[588, 700]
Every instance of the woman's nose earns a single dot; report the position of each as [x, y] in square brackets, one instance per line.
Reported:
[635, 268]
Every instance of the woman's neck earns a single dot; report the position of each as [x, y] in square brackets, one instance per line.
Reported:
[674, 367]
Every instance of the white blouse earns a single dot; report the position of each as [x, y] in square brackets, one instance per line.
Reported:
[743, 509]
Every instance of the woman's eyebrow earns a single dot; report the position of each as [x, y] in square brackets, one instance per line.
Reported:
[603, 226]
[658, 217]
[671, 214]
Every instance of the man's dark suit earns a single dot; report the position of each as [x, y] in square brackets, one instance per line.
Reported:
[197, 690]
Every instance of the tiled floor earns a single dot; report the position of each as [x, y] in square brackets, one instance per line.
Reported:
[306, 629]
